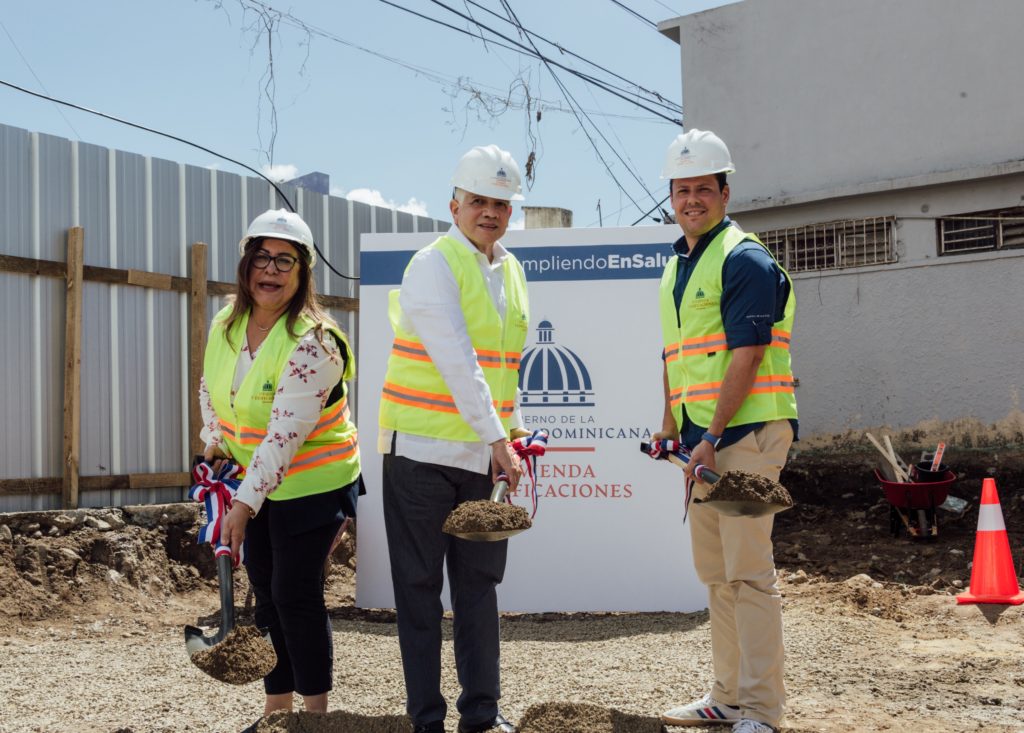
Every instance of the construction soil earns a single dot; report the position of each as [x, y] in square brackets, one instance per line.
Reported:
[486, 516]
[244, 655]
[93, 604]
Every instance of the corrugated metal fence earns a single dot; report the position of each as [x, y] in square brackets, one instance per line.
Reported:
[138, 213]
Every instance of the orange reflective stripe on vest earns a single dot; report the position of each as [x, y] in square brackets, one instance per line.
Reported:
[762, 385]
[409, 350]
[417, 398]
[780, 338]
[337, 415]
[486, 359]
[433, 400]
[308, 459]
[247, 435]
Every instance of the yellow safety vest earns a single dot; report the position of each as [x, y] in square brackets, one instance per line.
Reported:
[415, 398]
[329, 457]
[696, 353]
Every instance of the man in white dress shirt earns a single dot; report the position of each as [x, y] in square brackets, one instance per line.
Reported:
[448, 408]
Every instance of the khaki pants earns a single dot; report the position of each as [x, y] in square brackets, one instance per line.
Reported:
[733, 558]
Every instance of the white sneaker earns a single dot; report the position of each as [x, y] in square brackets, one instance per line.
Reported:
[706, 711]
[747, 725]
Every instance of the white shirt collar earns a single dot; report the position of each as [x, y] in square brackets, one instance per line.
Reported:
[500, 253]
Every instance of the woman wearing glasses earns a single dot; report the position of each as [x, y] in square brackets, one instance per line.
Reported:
[273, 397]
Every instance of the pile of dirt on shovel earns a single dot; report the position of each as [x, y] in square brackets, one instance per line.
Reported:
[241, 657]
[337, 721]
[486, 516]
[571, 717]
[746, 486]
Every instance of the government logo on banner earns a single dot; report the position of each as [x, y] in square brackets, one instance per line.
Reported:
[554, 379]
[553, 376]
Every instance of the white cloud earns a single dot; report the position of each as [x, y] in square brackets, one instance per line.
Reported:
[280, 172]
[376, 198]
[519, 223]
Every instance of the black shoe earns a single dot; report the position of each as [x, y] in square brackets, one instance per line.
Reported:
[499, 724]
[252, 728]
[436, 726]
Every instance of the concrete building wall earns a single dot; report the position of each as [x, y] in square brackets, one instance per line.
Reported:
[837, 110]
[819, 94]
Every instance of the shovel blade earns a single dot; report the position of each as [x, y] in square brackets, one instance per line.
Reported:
[743, 508]
[494, 536]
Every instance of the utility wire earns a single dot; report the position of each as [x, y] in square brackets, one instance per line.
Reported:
[635, 14]
[534, 52]
[651, 211]
[564, 50]
[427, 73]
[36, 77]
[606, 86]
[180, 140]
[572, 103]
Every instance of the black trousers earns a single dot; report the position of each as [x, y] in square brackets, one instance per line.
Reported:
[286, 545]
[417, 499]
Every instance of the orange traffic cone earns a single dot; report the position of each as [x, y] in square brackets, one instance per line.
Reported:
[993, 578]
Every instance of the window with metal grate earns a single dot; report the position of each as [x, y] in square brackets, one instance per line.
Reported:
[834, 245]
[980, 231]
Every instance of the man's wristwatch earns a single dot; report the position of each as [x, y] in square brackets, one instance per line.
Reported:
[711, 438]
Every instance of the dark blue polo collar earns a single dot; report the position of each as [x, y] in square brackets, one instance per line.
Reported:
[681, 248]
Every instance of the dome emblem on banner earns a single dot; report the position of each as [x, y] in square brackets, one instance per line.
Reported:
[552, 375]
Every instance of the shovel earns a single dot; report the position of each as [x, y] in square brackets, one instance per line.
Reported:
[497, 496]
[194, 639]
[730, 508]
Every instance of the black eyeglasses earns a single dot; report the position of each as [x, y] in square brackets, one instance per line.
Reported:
[283, 263]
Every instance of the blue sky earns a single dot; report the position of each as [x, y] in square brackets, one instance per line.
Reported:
[385, 133]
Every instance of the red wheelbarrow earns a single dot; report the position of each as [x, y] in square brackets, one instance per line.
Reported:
[912, 504]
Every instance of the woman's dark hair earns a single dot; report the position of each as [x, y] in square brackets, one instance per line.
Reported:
[304, 302]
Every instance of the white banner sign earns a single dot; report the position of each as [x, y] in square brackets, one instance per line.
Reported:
[609, 533]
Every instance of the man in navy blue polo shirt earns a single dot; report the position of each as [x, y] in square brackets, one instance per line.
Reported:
[727, 313]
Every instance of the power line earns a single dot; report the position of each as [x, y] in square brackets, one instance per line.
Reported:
[635, 14]
[180, 140]
[564, 50]
[427, 73]
[572, 103]
[36, 77]
[534, 52]
[606, 86]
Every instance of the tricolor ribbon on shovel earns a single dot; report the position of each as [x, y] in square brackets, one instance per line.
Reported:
[661, 450]
[529, 448]
[216, 489]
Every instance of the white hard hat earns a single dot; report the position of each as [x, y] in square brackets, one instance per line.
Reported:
[281, 224]
[489, 171]
[696, 153]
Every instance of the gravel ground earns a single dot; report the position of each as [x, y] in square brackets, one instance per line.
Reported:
[851, 664]
[93, 605]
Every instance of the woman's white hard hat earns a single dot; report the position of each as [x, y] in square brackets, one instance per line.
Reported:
[487, 170]
[281, 224]
[696, 153]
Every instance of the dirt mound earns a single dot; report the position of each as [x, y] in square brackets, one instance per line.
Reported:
[571, 717]
[50, 560]
[334, 722]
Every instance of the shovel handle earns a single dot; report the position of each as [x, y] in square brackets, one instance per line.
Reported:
[227, 595]
[500, 489]
[700, 471]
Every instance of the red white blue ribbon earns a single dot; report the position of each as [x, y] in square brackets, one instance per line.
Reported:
[661, 450]
[217, 492]
[529, 448]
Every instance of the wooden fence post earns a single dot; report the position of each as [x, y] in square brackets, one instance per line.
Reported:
[72, 367]
[196, 344]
